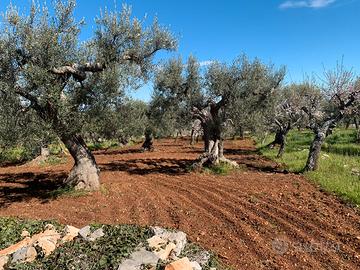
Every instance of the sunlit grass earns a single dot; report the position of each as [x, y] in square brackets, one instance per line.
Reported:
[339, 168]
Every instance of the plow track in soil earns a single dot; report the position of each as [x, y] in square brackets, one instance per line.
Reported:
[255, 218]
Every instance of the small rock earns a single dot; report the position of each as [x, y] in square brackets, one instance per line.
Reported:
[47, 245]
[156, 242]
[96, 235]
[164, 253]
[50, 227]
[182, 264]
[355, 171]
[25, 234]
[25, 254]
[12, 249]
[202, 257]
[139, 258]
[196, 266]
[144, 257]
[129, 265]
[3, 261]
[70, 233]
[178, 238]
[85, 232]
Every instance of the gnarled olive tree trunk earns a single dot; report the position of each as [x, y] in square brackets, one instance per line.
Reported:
[213, 141]
[280, 139]
[148, 143]
[321, 133]
[85, 172]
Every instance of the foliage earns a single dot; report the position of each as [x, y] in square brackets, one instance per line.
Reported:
[47, 70]
[177, 88]
[11, 229]
[339, 163]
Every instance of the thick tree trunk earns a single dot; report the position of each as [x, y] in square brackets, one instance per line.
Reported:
[213, 143]
[312, 163]
[148, 143]
[280, 139]
[85, 173]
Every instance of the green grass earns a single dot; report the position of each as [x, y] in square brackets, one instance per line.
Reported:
[339, 161]
[14, 155]
[221, 169]
[107, 144]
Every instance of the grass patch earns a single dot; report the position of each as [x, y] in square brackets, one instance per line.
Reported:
[67, 191]
[105, 145]
[222, 168]
[11, 229]
[338, 165]
[54, 160]
[15, 155]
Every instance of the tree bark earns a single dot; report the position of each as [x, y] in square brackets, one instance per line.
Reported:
[321, 132]
[85, 173]
[148, 143]
[280, 139]
[213, 143]
[312, 162]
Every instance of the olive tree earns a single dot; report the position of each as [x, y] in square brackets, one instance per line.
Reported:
[177, 88]
[286, 114]
[43, 61]
[228, 86]
[328, 104]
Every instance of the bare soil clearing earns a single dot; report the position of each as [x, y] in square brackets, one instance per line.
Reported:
[256, 218]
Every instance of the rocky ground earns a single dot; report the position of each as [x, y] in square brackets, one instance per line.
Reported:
[68, 247]
[259, 217]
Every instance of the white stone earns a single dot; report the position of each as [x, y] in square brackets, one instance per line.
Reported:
[69, 234]
[195, 266]
[164, 253]
[85, 232]
[25, 254]
[3, 261]
[96, 235]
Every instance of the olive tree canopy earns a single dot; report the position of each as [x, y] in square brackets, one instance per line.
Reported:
[43, 61]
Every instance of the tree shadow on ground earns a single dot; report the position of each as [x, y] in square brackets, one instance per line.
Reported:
[26, 186]
[150, 166]
[119, 152]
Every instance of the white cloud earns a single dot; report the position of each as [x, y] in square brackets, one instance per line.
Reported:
[306, 4]
[205, 63]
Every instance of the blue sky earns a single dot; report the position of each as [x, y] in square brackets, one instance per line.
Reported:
[304, 35]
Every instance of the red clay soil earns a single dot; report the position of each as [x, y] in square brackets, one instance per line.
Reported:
[255, 218]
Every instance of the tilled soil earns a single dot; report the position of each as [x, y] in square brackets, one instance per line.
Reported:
[255, 218]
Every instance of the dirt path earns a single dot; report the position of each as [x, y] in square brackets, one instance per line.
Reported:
[255, 218]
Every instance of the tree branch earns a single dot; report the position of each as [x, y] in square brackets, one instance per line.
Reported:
[78, 71]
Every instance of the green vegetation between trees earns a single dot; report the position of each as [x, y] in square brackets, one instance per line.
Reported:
[339, 168]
